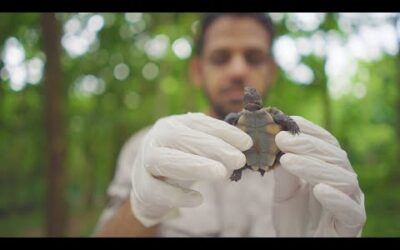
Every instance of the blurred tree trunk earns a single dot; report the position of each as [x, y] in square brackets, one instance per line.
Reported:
[398, 97]
[91, 159]
[54, 122]
[329, 24]
[189, 94]
[90, 173]
[162, 105]
[326, 100]
[321, 80]
[2, 109]
[397, 104]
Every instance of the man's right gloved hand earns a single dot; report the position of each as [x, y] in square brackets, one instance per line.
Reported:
[177, 151]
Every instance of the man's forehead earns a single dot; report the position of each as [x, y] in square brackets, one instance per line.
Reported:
[236, 31]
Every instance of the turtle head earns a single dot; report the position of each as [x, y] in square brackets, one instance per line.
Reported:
[252, 100]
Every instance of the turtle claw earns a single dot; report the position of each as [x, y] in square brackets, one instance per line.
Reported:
[292, 127]
[236, 175]
[285, 121]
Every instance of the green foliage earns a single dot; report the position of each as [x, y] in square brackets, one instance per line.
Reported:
[98, 123]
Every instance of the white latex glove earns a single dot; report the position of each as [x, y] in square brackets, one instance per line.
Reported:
[316, 190]
[177, 151]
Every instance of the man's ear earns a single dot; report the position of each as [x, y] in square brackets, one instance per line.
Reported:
[195, 71]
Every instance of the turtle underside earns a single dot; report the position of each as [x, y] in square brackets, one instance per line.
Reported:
[261, 125]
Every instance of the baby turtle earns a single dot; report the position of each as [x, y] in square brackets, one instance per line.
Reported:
[262, 124]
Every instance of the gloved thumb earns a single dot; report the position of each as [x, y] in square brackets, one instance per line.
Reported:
[349, 215]
[286, 184]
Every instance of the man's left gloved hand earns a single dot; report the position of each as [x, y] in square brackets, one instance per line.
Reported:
[316, 190]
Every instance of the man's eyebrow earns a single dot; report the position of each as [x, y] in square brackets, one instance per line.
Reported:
[217, 50]
[267, 53]
[257, 50]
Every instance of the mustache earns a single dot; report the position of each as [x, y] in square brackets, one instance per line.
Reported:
[232, 85]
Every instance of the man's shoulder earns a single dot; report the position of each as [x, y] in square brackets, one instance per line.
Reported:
[139, 135]
[131, 146]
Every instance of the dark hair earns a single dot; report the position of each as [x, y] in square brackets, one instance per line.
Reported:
[208, 18]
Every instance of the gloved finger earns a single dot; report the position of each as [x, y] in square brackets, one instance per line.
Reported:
[307, 145]
[286, 184]
[160, 193]
[218, 128]
[349, 215]
[315, 171]
[312, 129]
[175, 164]
[202, 144]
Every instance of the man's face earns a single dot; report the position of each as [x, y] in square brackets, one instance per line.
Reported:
[236, 53]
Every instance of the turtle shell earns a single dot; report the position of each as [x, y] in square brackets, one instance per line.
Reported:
[262, 130]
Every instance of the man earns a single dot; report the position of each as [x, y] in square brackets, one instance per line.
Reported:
[173, 179]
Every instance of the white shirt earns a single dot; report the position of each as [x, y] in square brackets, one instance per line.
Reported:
[229, 209]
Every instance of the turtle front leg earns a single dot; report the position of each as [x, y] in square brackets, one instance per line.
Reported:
[232, 118]
[287, 123]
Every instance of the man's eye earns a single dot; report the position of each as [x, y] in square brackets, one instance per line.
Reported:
[256, 58]
[219, 59]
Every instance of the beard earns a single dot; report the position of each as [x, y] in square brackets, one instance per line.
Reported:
[222, 110]
[222, 106]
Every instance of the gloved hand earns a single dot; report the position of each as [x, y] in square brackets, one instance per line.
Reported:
[177, 151]
[316, 190]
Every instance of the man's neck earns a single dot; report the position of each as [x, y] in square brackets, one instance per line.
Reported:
[211, 112]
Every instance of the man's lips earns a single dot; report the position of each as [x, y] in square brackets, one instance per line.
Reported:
[233, 93]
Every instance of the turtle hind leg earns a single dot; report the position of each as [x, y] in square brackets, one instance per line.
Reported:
[237, 173]
[287, 123]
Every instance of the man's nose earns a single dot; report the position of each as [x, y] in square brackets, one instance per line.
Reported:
[239, 67]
